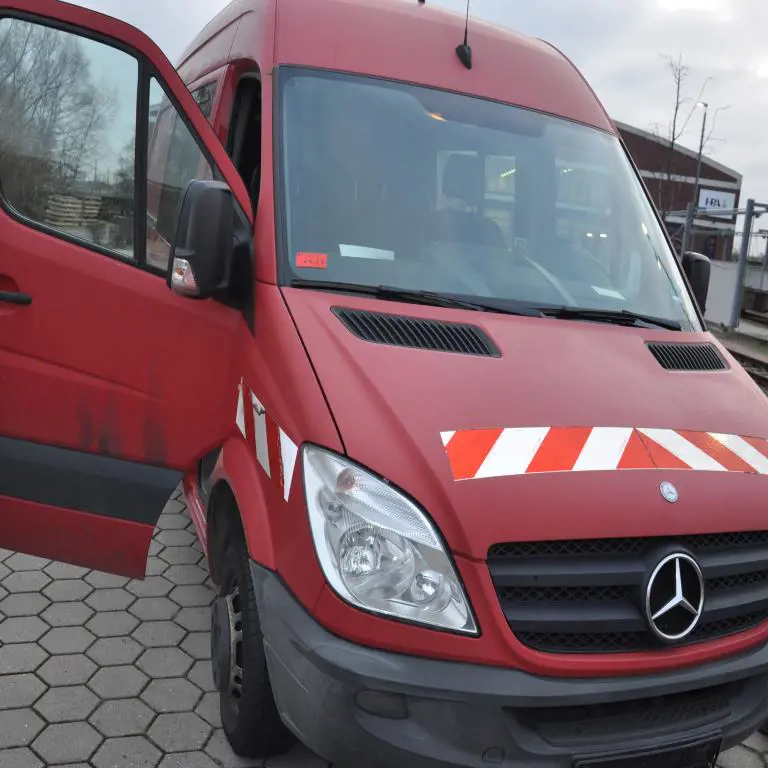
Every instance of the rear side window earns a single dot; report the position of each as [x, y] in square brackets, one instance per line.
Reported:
[67, 133]
[204, 97]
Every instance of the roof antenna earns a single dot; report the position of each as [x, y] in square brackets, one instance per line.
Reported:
[464, 51]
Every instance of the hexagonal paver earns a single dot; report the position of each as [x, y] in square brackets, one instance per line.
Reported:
[101, 580]
[159, 634]
[18, 728]
[165, 662]
[4, 571]
[109, 599]
[156, 566]
[24, 657]
[176, 732]
[202, 676]
[122, 717]
[73, 669]
[192, 596]
[118, 682]
[172, 522]
[175, 694]
[194, 619]
[187, 760]
[67, 614]
[186, 574]
[740, 757]
[197, 645]
[218, 748]
[152, 586]
[115, 651]
[67, 640]
[129, 752]
[171, 538]
[155, 548]
[67, 590]
[112, 624]
[24, 605]
[18, 691]
[22, 629]
[67, 742]
[26, 581]
[209, 709]
[65, 571]
[20, 758]
[19, 562]
[60, 705]
[180, 556]
[154, 608]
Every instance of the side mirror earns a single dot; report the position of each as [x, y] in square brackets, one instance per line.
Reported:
[201, 256]
[697, 268]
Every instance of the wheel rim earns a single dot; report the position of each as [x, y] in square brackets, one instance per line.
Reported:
[227, 644]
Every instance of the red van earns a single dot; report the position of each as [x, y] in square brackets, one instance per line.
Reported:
[475, 483]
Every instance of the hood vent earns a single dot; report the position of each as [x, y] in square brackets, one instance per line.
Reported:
[687, 357]
[417, 333]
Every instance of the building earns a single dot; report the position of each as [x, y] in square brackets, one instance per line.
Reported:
[671, 178]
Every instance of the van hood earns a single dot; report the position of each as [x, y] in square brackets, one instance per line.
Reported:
[569, 433]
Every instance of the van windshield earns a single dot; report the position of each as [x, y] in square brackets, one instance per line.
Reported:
[389, 184]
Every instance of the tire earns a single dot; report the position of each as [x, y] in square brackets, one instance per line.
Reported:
[248, 712]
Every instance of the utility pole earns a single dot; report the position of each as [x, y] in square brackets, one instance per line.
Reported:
[701, 152]
[741, 268]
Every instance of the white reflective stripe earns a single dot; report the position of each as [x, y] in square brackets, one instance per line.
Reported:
[240, 418]
[683, 449]
[513, 452]
[446, 436]
[745, 451]
[288, 452]
[603, 450]
[260, 438]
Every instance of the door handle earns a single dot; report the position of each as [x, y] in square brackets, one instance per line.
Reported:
[13, 297]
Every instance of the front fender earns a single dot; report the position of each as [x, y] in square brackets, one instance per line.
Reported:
[237, 467]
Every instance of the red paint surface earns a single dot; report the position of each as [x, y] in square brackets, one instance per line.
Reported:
[79, 538]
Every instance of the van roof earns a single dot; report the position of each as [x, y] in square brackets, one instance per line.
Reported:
[408, 41]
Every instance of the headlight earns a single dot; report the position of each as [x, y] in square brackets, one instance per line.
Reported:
[377, 549]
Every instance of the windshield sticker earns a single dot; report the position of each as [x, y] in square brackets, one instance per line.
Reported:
[608, 292]
[483, 453]
[364, 252]
[312, 260]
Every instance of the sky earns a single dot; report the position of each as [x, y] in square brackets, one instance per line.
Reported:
[619, 45]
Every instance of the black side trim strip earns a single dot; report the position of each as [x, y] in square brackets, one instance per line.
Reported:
[60, 477]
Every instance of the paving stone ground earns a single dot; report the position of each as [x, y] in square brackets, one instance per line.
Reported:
[98, 671]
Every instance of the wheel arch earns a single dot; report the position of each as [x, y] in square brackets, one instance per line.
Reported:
[237, 506]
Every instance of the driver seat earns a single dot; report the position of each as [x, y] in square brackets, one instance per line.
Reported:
[464, 179]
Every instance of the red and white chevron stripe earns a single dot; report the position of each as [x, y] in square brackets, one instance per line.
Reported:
[481, 453]
[275, 451]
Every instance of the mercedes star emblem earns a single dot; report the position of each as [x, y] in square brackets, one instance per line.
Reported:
[674, 597]
[669, 492]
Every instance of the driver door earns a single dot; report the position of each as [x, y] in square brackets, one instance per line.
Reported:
[111, 385]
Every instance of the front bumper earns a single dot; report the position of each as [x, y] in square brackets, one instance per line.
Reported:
[357, 706]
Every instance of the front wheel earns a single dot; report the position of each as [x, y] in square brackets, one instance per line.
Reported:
[248, 712]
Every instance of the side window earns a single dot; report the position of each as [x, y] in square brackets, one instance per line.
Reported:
[204, 97]
[67, 134]
[244, 141]
[174, 161]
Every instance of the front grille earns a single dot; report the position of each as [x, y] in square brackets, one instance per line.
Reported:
[587, 596]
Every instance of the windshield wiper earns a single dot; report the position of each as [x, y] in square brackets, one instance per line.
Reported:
[416, 297]
[618, 316]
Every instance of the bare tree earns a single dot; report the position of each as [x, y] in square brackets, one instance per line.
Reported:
[683, 110]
